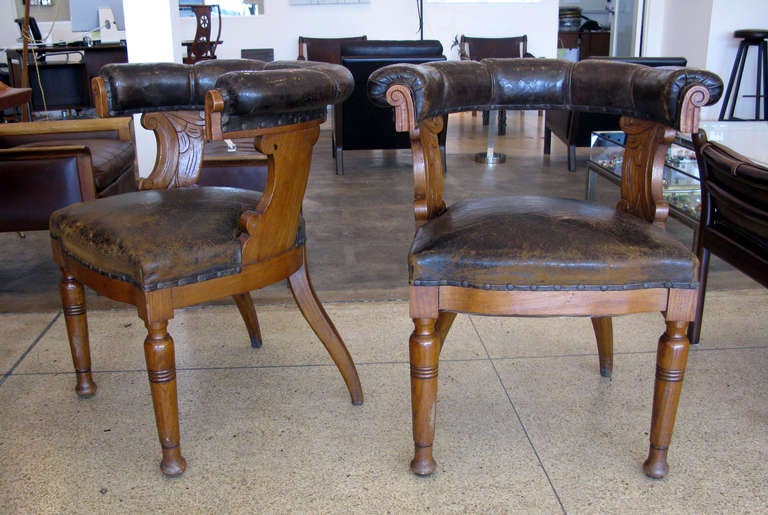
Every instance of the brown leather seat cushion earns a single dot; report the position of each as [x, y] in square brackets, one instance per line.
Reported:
[159, 238]
[539, 243]
[111, 157]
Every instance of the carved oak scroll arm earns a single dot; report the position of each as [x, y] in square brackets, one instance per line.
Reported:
[427, 159]
[642, 172]
[642, 169]
[180, 136]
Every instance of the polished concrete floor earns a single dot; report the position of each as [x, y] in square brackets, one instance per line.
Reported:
[525, 422]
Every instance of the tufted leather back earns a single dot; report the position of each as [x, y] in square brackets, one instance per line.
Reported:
[439, 88]
[135, 88]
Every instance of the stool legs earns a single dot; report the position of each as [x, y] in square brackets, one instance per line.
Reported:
[734, 82]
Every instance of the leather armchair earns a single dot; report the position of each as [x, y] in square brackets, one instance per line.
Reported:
[170, 247]
[530, 255]
[360, 125]
[734, 216]
[575, 128]
[47, 165]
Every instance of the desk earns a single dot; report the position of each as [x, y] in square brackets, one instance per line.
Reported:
[66, 83]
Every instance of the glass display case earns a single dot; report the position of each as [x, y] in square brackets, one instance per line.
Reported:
[681, 173]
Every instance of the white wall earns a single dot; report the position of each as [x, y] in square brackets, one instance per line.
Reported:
[282, 23]
[702, 31]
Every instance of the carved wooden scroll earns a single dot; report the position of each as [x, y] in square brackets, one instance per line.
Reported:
[427, 159]
[180, 136]
[643, 168]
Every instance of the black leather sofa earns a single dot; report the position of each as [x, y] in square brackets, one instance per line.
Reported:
[360, 125]
[575, 128]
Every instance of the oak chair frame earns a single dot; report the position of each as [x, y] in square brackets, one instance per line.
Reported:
[269, 255]
[434, 308]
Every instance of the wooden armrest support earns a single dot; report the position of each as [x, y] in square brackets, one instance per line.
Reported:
[121, 126]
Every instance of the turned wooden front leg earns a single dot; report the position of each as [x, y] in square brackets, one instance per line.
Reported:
[424, 351]
[161, 366]
[670, 367]
[73, 300]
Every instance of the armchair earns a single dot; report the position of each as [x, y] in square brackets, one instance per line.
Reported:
[575, 128]
[538, 256]
[170, 247]
[47, 165]
[734, 216]
[360, 125]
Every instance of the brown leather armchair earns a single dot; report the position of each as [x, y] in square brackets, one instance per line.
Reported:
[526, 255]
[47, 165]
[171, 247]
[734, 216]
[575, 128]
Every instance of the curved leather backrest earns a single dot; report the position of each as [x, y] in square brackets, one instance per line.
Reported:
[281, 95]
[440, 88]
[146, 87]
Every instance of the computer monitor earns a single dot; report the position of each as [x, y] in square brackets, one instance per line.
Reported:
[85, 14]
[36, 36]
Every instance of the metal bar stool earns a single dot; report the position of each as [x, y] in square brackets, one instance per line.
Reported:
[749, 37]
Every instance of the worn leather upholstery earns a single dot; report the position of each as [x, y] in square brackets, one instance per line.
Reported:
[44, 168]
[575, 128]
[151, 87]
[113, 236]
[532, 242]
[112, 163]
[516, 243]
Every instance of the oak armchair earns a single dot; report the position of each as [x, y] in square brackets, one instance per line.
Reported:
[168, 248]
[734, 216]
[539, 256]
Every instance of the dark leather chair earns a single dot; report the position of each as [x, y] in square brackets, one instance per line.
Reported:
[325, 50]
[541, 256]
[476, 49]
[360, 125]
[169, 248]
[734, 216]
[46, 165]
[575, 128]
